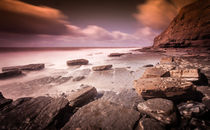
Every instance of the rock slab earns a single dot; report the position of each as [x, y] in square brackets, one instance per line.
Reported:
[102, 68]
[28, 67]
[103, 115]
[77, 62]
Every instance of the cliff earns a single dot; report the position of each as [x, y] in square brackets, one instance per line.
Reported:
[190, 28]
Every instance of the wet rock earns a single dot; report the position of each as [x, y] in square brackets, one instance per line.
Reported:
[35, 113]
[10, 74]
[205, 90]
[116, 54]
[101, 68]
[127, 98]
[198, 124]
[149, 65]
[82, 96]
[185, 74]
[192, 109]
[155, 72]
[160, 109]
[102, 114]
[4, 101]
[150, 124]
[29, 67]
[171, 88]
[166, 60]
[79, 78]
[77, 62]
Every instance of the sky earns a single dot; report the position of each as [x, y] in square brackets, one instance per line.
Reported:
[84, 23]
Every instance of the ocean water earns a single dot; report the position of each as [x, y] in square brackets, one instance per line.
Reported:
[125, 69]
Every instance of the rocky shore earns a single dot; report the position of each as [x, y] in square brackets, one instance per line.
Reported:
[173, 94]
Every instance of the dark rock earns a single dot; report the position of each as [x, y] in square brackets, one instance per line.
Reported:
[9, 74]
[127, 98]
[4, 101]
[205, 90]
[160, 109]
[77, 62]
[101, 68]
[190, 28]
[35, 113]
[149, 65]
[192, 109]
[103, 115]
[81, 97]
[116, 54]
[79, 78]
[198, 124]
[171, 88]
[29, 67]
[150, 124]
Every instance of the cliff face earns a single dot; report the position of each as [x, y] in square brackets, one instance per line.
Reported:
[190, 28]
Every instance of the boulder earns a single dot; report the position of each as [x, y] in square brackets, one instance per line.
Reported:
[116, 54]
[103, 115]
[28, 67]
[166, 60]
[127, 98]
[4, 101]
[192, 109]
[79, 78]
[102, 68]
[205, 90]
[185, 74]
[171, 88]
[150, 124]
[35, 113]
[11, 73]
[162, 110]
[149, 65]
[77, 62]
[82, 96]
[155, 72]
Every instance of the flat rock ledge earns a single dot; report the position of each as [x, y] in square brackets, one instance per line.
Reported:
[116, 54]
[10, 74]
[29, 67]
[102, 67]
[77, 62]
[103, 115]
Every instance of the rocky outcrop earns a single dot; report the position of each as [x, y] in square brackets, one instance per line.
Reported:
[4, 101]
[186, 74]
[28, 67]
[155, 72]
[34, 113]
[102, 68]
[9, 74]
[81, 97]
[77, 62]
[160, 109]
[103, 115]
[116, 54]
[190, 28]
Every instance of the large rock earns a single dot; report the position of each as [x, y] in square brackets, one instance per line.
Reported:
[127, 98]
[160, 109]
[81, 97]
[150, 124]
[205, 90]
[192, 109]
[24, 67]
[155, 72]
[170, 88]
[186, 74]
[77, 62]
[166, 60]
[4, 101]
[103, 115]
[116, 54]
[35, 113]
[11, 73]
[190, 28]
[101, 68]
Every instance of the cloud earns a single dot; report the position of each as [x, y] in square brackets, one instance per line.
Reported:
[157, 14]
[19, 17]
